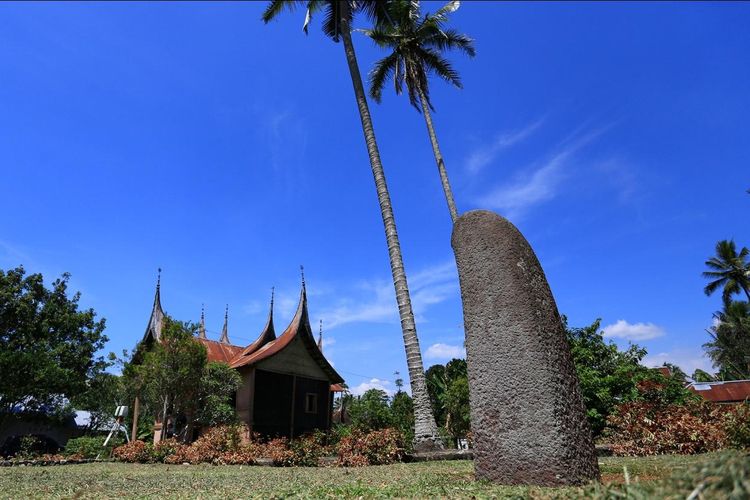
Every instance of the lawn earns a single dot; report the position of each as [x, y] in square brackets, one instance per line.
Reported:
[430, 479]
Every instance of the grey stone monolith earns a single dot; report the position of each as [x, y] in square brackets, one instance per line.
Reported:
[527, 414]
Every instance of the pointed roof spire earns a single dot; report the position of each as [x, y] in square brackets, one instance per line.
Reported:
[267, 335]
[302, 272]
[202, 327]
[320, 336]
[224, 331]
[153, 329]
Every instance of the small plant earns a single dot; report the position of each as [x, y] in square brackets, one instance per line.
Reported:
[29, 447]
[134, 452]
[373, 448]
[90, 446]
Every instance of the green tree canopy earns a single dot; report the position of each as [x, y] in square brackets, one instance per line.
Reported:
[217, 388]
[47, 344]
[729, 348]
[609, 376]
[371, 411]
[168, 376]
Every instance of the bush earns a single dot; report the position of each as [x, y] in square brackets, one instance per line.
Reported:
[134, 452]
[373, 448]
[737, 426]
[650, 428]
[279, 452]
[91, 446]
[308, 449]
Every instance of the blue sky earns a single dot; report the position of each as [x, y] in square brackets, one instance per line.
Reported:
[194, 138]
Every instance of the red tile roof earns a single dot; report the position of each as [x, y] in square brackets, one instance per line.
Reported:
[733, 391]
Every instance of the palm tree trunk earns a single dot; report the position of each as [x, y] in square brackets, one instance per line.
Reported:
[425, 429]
[438, 158]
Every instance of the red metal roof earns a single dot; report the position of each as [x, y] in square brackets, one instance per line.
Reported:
[218, 351]
[733, 391]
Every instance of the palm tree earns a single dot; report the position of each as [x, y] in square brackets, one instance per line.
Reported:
[730, 270]
[337, 25]
[729, 348]
[416, 44]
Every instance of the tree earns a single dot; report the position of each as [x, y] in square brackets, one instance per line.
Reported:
[47, 345]
[729, 348]
[449, 393]
[417, 44]
[104, 393]
[217, 388]
[729, 270]
[370, 411]
[170, 374]
[609, 376]
[402, 408]
[337, 26]
[702, 376]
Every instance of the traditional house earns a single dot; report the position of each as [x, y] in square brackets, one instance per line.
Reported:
[287, 384]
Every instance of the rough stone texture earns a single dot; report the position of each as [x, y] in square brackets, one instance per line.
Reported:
[527, 414]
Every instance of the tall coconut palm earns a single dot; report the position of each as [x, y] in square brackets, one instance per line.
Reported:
[729, 269]
[729, 348]
[337, 25]
[417, 44]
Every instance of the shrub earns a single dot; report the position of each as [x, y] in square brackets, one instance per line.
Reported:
[134, 452]
[373, 448]
[246, 454]
[91, 446]
[279, 452]
[737, 426]
[166, 448]
[308, 449]
[649, 428]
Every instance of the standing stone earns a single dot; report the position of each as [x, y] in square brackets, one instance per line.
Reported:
[527, 414]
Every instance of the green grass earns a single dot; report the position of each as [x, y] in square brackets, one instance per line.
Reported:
[431, 479]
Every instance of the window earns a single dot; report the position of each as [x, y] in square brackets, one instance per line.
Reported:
[311, 403]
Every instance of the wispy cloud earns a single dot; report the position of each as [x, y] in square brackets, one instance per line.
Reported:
[635, 331]
[538, 183]
[428, 287]
[486, 154]
[444, 351]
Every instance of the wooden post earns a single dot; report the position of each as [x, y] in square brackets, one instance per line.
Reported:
[136, 413]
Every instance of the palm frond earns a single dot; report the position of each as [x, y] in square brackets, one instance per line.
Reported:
[451, 40]
[376, 11]
[381, 71]
[439, 65]
[275, 7]
[381, 37]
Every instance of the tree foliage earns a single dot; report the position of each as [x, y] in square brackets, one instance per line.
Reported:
[371, 411]
[168, 376]
[729, 347]
[609, 376]
[47, 344]
[217, 388]
[448, 386]
[728, 270]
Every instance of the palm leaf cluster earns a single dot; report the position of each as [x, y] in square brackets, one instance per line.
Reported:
[729, 270]
[729, 348]
[417, 43]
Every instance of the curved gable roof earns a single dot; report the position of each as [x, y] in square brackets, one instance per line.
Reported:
[298, 328]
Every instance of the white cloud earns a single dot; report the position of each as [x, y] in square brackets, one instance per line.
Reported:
[444, 351]
[537, 184]
[687, 359]
[636, 331]
[487, 154]
[373, 383]
[328, 341]
[428, 287]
